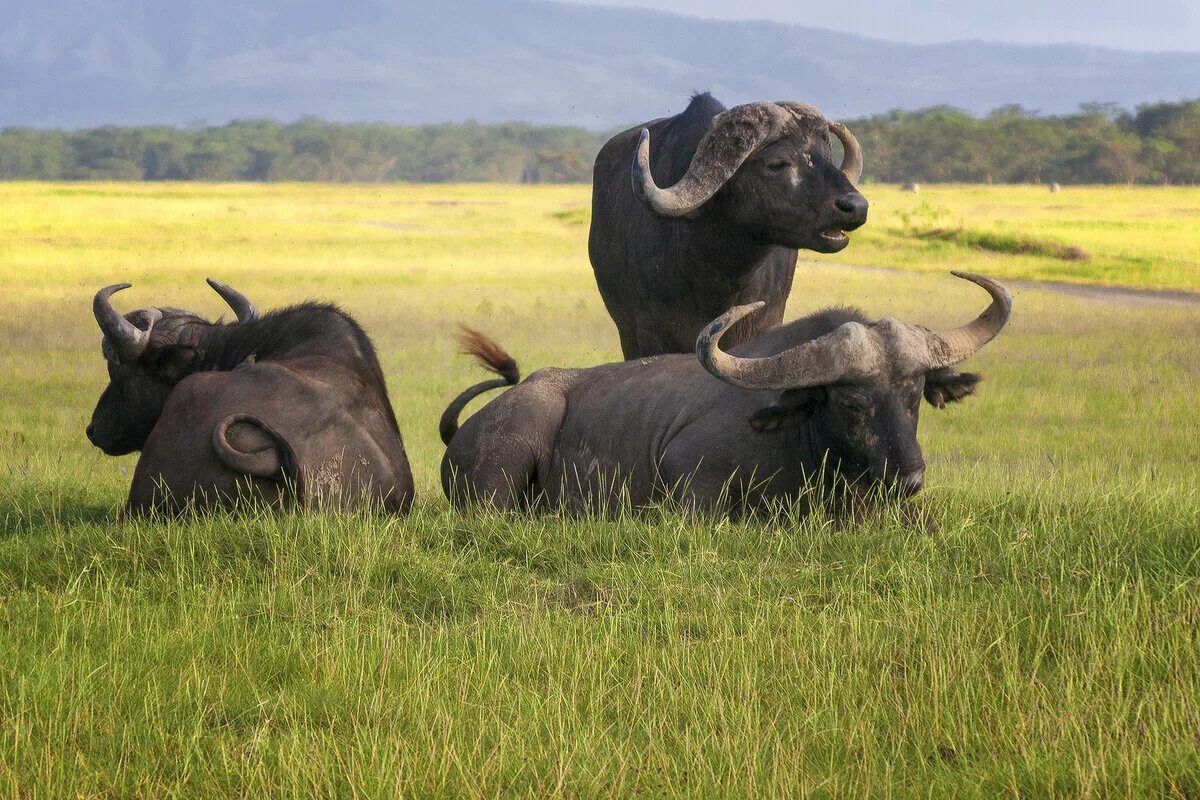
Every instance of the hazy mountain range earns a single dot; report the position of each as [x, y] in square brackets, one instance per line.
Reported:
[70, 63]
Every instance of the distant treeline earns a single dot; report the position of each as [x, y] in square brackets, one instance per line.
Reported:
[1159, 143]
[308, 150]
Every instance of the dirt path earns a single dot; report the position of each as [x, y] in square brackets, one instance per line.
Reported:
[1117, 295]
[1123, 296]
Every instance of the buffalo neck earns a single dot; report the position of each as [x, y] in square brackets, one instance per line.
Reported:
[223, 347]
[713, 249]
[302, 331]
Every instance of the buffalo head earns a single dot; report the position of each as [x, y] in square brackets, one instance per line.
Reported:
[857, 390]
[772, 166]
[148, 351]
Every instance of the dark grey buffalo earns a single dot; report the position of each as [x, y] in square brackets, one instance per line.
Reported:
[831, 395]
[287, 406]
[748, 186]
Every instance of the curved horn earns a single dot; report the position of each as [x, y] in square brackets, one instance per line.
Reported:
[732, 137]
[952, 347]
[852, 164]
[128, 341]
[241, 305]
[846, 352]
[854, 351]
[714, 359]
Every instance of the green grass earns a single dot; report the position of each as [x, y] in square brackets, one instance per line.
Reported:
[1002, 243]
[1134, 235]
[1045, 641]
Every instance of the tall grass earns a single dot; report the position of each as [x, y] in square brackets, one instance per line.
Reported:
[1043, 641]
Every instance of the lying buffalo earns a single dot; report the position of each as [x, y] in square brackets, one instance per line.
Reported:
[748, 186]
[287, 406]
[832, 394]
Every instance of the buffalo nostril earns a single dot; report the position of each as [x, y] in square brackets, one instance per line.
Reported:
[853, 203]
[91, 432]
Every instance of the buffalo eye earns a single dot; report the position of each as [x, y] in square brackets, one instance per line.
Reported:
[778, 165]
[857, 406]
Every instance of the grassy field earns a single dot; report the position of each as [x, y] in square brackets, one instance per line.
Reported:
[1120, 235]
[1045, 642]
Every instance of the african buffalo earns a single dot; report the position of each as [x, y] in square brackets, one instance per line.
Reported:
[291, 405]
[831, 395]
[748, 187]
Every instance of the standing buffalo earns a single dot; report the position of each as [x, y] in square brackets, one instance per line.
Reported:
[290, 405]
[748, 187]
[830, 395]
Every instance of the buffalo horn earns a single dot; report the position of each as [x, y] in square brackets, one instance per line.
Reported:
[241, 305]
[848, 351]
[854, 351]
[951, 347]
[852, 164]
[127, 340]
[732, 137]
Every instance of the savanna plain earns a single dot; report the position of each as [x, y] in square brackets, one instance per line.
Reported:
[1044, 640]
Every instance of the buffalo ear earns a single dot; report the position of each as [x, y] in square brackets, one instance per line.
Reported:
[949, 386]
[793, 408]
[246, 444]
[177, 363]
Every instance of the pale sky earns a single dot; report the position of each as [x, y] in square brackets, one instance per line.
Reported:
[1143, 25]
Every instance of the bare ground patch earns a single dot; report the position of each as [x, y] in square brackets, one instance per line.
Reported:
[1122, 296]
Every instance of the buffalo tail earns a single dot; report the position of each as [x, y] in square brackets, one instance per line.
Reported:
[494, 359]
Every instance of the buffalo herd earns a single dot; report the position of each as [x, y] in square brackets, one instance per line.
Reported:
[697, 220]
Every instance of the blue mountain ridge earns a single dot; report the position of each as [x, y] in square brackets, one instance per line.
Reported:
[72, 63]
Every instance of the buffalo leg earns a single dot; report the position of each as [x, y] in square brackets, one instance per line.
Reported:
[497, 455]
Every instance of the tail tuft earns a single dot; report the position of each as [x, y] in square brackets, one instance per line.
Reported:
[491, 355]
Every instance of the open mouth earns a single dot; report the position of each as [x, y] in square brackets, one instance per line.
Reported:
[834, 236]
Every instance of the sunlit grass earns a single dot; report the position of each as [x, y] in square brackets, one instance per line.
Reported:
[1135, 235]
[1042, 642]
